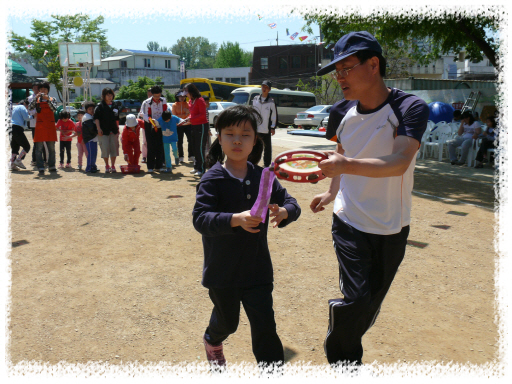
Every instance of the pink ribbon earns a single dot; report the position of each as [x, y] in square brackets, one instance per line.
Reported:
[260, 207]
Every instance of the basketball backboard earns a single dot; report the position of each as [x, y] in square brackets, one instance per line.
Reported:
[72, 55]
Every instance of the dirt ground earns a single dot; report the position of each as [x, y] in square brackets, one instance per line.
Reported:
[111, 271]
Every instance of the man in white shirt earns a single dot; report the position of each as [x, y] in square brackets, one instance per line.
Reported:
[266, 106]
[378, 132]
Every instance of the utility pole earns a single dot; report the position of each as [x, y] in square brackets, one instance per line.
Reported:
[277, 40]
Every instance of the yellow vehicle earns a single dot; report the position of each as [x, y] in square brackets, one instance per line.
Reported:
[215, 90]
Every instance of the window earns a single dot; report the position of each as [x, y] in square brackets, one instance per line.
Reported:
[310, 61]
[168, 64]
[295, 61]
[147, 63]
[124, 64]
[283, 63]
[234, 80]
[242, 81]
[213, 107]
[218, 78]
[223, 91]
[264, 63]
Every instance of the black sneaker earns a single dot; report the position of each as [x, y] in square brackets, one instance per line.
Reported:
[41, 173]
[53, 169]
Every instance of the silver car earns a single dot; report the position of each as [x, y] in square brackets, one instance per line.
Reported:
[312, 117]
[215, 108]
[325, 121]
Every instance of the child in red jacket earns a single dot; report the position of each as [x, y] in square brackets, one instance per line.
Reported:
[130, 140]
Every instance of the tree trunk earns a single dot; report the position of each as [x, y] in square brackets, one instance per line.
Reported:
[481, 43]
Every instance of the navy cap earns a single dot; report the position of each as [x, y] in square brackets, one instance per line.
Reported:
[268, 83]
[348, 45]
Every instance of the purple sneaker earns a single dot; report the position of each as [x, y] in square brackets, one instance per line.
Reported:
[214, 354]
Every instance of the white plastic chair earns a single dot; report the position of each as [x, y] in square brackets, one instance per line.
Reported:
[473, 150]
[424, 138]
[437, 146]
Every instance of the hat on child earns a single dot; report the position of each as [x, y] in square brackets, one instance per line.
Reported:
[131, 121]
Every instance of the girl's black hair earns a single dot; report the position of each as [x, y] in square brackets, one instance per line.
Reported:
[166, 115]
[64, 115]
[106, 91]
[192, 91]
[492, 120]
[236, 115]
[469, 114]
[80, 112]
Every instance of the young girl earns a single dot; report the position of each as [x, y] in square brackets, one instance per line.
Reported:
[487, 141]
[66, 126]
[199, 126]
[180, 109]
[237, 265]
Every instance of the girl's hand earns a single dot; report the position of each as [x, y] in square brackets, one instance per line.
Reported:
[246, 221]
[278, 213]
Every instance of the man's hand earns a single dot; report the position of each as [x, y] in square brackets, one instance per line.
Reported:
[334, 165]
[278, 213]
[246, 221]
[320, 201]
[272, 131]
[126, 157]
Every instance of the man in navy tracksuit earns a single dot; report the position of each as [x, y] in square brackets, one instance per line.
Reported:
[237, 265]
[378, 132]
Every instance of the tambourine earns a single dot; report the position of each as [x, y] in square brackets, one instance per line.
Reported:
[299, 166]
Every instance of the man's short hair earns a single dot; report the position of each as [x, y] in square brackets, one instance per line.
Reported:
[457, 113]
[206, 98]
[155, 89]
[366, 55]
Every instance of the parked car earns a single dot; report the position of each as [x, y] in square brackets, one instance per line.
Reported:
[312, 117]
[127, 106]
[325, 121]
[215, 108]
[72, 111]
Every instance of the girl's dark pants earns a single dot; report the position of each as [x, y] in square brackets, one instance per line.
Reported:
[185, 130]
[486, 144]
[155, 157]
[199, 138]
[257, 302]
[65, 146]
[367, 266]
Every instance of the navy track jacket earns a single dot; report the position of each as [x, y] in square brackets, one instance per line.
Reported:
[234, 257]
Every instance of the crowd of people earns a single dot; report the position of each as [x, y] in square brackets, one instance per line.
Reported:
[470, 129]
[97, 125]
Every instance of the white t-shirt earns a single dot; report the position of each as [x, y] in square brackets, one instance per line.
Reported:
[378, 205]
[469, 130]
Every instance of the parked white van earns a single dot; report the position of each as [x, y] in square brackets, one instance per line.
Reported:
[288, 103]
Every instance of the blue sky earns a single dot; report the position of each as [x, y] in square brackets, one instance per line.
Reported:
[129, 33]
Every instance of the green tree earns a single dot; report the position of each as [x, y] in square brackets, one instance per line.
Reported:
[107, 51]
[426, 36]
[231, 55]
[197, 51]
[155, 47]
[325, 88]
[79, 99]
[46, 35]
[137, 90]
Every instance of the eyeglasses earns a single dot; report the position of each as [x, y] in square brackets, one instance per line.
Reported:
[343, 72]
